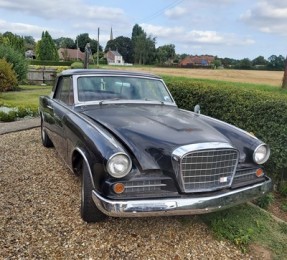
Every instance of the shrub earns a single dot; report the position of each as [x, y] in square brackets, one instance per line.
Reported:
[8, 78]
[18, 112]
[283, 188]
[16, 59]
[77, 65]
[264, 201]
[259, 112]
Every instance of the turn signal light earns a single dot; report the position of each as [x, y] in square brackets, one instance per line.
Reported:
[119, 188]
[259, 172]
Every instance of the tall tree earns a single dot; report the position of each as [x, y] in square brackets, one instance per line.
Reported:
[46, 49]
[15, 41]
[123, 45]
[144, 50]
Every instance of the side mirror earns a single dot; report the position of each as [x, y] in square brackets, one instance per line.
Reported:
[197, 109]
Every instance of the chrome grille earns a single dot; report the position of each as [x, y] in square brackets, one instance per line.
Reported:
[245, 176]
[208, 169]
[143, 186]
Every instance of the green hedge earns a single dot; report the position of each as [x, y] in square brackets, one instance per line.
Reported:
[19, 112]
[262, 113]
[50, 63]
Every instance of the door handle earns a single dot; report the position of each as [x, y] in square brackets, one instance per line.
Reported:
[50, 107]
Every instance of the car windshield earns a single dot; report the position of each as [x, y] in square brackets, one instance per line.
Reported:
[101, 88]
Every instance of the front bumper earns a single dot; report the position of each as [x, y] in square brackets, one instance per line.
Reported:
[180, 206]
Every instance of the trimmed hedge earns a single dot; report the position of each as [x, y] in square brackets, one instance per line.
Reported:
[50, 63]
[262, 113]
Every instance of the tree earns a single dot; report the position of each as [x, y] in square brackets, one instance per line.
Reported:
[260, 60]
[276, 62]
[16, 59]
[123, 45]
[14, 41]
[8, 77]
[166, 54]
[46, 49]
[83, 39]
[29, 43]
[245, 64]
[94, 46]
[137, 31]
[65, 42]
[217, 63]
[144, 51]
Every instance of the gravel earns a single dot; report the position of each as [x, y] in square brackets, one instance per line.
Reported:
[40, 219]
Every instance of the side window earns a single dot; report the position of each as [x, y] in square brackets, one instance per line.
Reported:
[64, 91]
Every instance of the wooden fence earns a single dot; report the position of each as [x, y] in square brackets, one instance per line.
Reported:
[41, 76]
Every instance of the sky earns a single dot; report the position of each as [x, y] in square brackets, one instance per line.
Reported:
[227, 28]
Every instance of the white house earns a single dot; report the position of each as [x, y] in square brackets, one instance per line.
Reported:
[114, 58]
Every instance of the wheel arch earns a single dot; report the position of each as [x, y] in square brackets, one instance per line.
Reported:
[78, 157]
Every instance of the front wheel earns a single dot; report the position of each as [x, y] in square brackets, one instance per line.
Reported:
[46, 141]
[89, 211]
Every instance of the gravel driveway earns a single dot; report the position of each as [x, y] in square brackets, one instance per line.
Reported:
[39, 217]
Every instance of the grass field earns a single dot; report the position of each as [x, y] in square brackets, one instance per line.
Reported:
[273, 78]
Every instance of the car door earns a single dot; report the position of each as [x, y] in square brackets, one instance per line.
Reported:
[63, 102]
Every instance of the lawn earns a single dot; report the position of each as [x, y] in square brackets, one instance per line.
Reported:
[24, 102]
[28, 96]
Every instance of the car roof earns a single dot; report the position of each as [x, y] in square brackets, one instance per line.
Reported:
[107, 72]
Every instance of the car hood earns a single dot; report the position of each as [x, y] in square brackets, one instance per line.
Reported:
[153, 132]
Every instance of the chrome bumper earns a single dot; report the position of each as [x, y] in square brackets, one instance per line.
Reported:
[179, 206]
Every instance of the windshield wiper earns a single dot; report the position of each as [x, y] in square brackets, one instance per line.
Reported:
[154, 100]
[109, 99]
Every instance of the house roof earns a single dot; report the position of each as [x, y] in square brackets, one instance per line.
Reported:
[197, 60]
[116, 53]
[72, 54]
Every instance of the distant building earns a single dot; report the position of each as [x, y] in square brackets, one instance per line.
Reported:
[197, 61]
[71, 54]
[30, 55]
[114, 58]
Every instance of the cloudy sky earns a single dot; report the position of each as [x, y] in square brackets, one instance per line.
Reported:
[226, 28]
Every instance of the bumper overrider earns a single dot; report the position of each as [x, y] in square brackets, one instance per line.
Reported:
[180, 206]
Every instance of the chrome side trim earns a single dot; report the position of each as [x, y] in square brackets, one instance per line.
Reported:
[179, 206]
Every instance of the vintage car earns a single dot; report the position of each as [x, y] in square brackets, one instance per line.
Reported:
[138, 154]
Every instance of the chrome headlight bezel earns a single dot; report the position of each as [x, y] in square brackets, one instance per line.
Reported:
[262, 149]
[116, 161]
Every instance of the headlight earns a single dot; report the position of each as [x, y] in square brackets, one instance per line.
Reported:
[119, 165]
[261, 154]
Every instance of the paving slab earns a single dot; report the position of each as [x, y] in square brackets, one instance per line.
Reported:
[20, 125]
